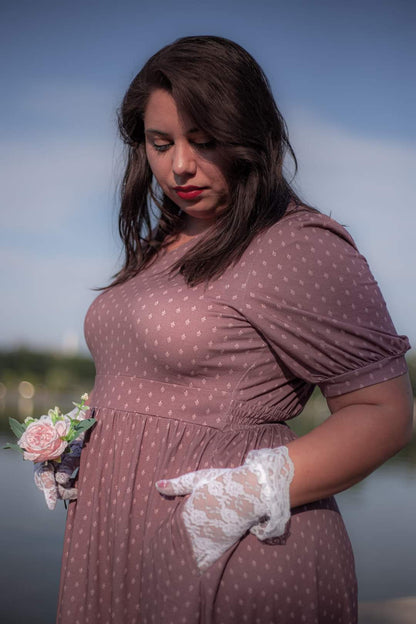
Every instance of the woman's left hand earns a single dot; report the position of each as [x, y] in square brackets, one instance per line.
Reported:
[223, 505]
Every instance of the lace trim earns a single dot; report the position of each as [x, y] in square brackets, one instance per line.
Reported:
[274, 470]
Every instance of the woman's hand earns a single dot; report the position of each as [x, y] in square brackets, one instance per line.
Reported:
[226, 503]
[56, 480]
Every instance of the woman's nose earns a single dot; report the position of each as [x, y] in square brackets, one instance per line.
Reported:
[184, 162]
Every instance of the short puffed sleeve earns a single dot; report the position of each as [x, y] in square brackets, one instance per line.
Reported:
[313, 298]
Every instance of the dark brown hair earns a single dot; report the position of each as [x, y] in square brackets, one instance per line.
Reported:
[222, 88]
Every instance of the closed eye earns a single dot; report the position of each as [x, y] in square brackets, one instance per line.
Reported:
[203, 145]
[161, 148]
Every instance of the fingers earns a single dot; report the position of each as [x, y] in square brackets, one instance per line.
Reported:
[67, 493]
[63, 476]
[56, 485]
[44, 476]
[177, 487]
[65, 469]
[186, 483]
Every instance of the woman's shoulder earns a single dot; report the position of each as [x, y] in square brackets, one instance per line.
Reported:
[301, 224]
[306, 246]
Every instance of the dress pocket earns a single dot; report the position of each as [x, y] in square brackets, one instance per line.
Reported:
[181, 540]
[170, 576]
[170, 549]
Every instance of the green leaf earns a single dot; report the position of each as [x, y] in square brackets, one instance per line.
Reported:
[15, 447]
[17, 427]
[83, 425]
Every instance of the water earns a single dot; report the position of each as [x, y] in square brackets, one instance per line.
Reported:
[31, 544]
[380, 514]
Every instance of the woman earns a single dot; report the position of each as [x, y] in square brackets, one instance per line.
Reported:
[214, 333]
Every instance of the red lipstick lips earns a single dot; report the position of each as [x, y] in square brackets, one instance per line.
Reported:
[188, 192]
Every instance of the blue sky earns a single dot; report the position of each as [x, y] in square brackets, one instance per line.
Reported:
[343, 76]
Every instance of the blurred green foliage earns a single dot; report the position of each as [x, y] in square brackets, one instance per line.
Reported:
[60, 378]
[59, 372]
[57, 379]
[55, 371]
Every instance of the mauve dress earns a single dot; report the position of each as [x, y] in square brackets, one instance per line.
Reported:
[195, 377]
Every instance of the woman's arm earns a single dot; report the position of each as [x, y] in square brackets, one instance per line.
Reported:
[365, 428]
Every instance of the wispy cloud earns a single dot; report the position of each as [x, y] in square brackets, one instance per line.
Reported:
[57, 191]
[368, 185]
[45, 182]
[45, 299]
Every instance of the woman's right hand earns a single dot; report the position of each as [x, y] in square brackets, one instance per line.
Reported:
[56, 480]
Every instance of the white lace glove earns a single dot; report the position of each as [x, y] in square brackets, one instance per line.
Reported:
[55, 479]
[225, 503]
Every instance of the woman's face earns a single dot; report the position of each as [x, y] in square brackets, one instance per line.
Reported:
[184, 161]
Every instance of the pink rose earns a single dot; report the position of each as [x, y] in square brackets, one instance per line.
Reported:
[42, 439]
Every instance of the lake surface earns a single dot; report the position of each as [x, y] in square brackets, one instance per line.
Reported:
[380, 514]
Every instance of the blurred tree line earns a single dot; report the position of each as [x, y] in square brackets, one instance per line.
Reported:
[31, 382]
[56, 371]
[61, 372]
[60, 379]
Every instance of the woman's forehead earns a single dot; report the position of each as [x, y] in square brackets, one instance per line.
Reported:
[162, 111]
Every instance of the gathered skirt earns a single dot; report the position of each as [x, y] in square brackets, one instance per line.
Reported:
[127, 558]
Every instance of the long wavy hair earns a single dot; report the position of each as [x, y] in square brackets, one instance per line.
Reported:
[220, 86]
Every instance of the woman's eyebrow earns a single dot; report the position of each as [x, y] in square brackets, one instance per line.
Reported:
[155, 131]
